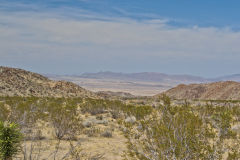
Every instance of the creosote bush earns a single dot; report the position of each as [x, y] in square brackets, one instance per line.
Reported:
[183, 132]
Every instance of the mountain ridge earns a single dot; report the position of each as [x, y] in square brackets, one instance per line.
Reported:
[223, 90]
[19, 82]
[156, 76]
[147, 76]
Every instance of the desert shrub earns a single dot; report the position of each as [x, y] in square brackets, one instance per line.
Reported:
[38, 135]
[107, 133]
[94, 107]
[97, 111]
[166, 100]
[99, 117]
[142, 111]
[115, 114]
[235, 155]
[183, 132]
[172, 133]
[87, 124]
[23, 111]
[4, 112]
[223, 123]
[64, 119]
[10, 138]
[92, 131]
[138, 111]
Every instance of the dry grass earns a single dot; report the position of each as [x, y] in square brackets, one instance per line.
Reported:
[92, 142]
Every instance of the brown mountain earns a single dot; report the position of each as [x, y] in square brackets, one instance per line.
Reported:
[226, 90]
[18, 82]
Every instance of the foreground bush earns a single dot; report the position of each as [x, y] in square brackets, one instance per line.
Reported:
[181, 132]
[10, 138]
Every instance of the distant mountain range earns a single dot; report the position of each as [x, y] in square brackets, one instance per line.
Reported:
[234, 77]
[144, 83]
[151, 77]
[144, 76]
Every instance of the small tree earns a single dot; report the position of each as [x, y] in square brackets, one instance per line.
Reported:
[10, 138]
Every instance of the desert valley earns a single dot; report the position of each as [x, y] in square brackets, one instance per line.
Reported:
[119, 80]
[61, 120]
[138, 84]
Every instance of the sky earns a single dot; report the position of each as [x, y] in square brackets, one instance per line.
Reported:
[197, 37]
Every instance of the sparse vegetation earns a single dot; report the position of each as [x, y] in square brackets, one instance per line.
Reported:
[107, 133]
[184, 132]
[165, 131]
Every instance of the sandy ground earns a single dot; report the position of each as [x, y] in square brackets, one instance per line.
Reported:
[111, 148]
[108, 148]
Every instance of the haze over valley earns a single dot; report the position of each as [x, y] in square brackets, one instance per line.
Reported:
[140, 84]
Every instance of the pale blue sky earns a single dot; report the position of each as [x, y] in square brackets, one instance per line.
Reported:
[199, 37]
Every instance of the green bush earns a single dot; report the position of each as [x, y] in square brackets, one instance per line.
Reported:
[10, 138]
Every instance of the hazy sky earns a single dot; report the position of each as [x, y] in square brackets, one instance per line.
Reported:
[199, 37]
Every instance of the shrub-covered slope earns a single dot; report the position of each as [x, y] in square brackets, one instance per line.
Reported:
[18, 82]
[228, 90]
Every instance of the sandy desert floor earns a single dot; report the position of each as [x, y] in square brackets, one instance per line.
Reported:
[138, 88]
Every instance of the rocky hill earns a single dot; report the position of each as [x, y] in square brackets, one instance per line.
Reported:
[18, 82]
[226, 90]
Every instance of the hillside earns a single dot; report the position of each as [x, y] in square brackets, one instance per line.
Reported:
[227, 90]
[18, 82]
